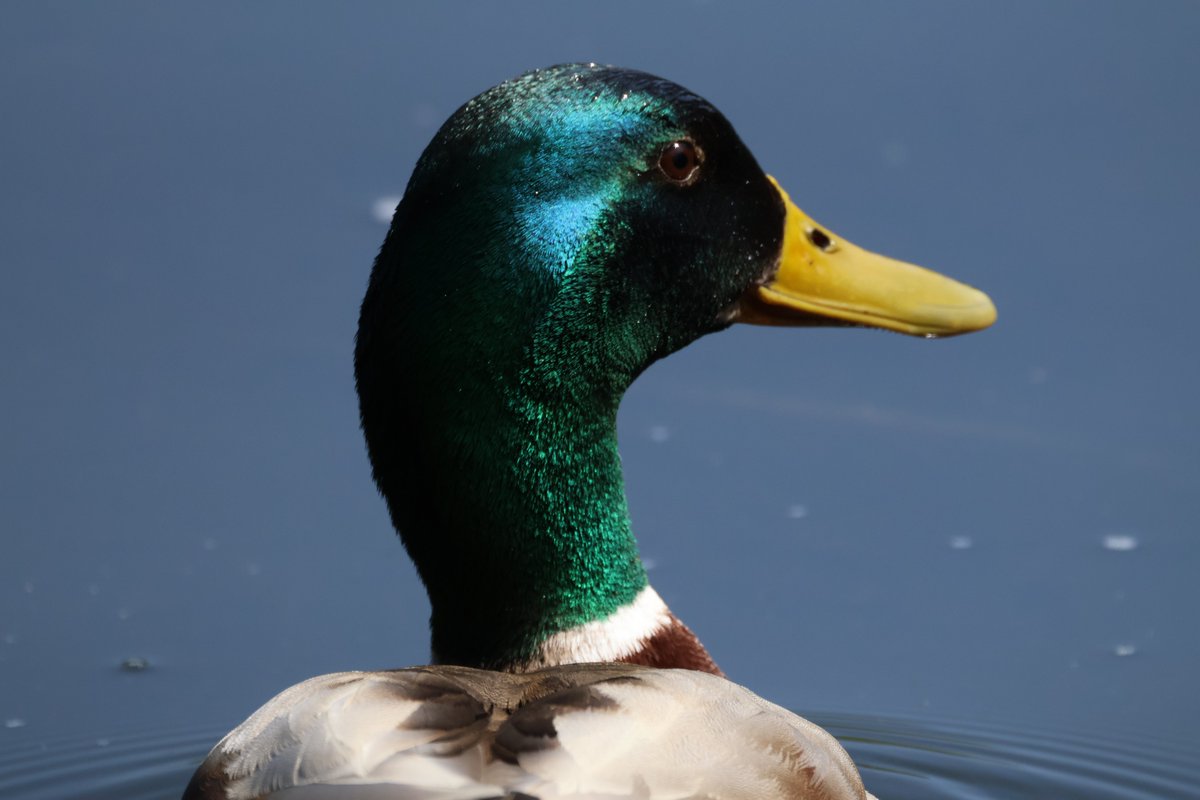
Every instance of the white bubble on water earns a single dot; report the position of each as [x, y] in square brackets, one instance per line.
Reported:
[1125, 650]
[14, 722]
[659, 434]
[797, 511]
[384, 207]
[1120, 542]
[961, 543]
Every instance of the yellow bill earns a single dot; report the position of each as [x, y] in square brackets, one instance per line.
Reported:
[825, 280]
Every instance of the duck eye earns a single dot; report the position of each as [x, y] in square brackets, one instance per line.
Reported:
[680, 160]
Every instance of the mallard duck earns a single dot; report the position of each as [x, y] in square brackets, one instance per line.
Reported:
[561, 232]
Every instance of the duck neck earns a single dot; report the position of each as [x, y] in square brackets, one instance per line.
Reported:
[507, 491]
[489, 393]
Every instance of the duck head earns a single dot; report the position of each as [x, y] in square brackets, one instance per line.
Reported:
[561, 232]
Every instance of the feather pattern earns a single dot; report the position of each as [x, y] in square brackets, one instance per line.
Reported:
[595, 732]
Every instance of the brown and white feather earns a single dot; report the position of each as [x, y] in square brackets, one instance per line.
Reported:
[585, 732]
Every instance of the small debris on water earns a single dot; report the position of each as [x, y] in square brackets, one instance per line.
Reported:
[135, 664]
[383, 208]
[659, 434]
[1124, 650]
[797, 511]
[1120, 542]
[961, 543]
[14, 722]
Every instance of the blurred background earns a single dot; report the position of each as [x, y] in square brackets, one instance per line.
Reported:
[996, 528]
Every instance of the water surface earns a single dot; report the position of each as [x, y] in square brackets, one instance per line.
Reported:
[998, 529]
[900, 759]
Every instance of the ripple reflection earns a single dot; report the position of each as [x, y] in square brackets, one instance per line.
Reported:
[901, 758]
[909, 758]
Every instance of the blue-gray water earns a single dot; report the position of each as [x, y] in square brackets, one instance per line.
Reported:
[975, 559]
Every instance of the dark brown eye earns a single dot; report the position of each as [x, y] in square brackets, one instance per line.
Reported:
[679, 161]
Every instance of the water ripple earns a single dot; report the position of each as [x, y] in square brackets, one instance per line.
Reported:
[901, 759]
[148, 765]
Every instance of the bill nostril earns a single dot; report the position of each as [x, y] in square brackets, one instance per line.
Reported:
[820, 239]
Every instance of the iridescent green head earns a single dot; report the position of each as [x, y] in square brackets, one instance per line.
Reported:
[561, 232]
[541, 207]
